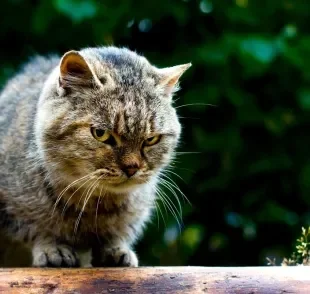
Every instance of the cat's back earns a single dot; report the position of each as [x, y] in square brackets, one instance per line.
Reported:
[22, 91]
[18, 100]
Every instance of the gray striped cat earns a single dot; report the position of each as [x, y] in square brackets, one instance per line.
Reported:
[83, 139]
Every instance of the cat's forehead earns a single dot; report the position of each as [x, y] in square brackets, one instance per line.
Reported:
[118, 57]
[131, 102]
[124, 67]
[129, 114]
[126, 122]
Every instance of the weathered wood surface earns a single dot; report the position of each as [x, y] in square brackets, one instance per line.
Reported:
[162, 280]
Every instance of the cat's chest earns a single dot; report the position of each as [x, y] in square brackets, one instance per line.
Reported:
[99, 218]
[123, 220]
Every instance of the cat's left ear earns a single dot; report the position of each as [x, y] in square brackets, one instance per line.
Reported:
[169, 77]
[74, 70]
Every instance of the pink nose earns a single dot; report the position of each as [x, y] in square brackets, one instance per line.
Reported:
[130, 171]
[130, 164]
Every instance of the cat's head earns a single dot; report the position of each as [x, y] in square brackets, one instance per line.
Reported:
[106, 114]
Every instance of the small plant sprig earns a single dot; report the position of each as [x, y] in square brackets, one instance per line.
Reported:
[303, 246]
[301, 256]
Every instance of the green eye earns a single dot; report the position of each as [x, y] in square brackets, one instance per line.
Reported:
[100, 135]
[152, 140]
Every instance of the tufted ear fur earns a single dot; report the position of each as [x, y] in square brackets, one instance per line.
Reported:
[74, 71]
[170, 77]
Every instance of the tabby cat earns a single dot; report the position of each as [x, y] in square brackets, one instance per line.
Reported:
[83, 140]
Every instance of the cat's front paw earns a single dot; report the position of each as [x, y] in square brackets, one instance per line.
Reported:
[120, 257]
[50, 255]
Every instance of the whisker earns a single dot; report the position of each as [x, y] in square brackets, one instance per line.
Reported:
[190, 152]
[87, 197]
[156, 209]
[174, 173]
[83, 207]
[96, 219]
[188, 117]
[67, 202]
[181, 168]
[158, 192]
[86, 191]
[166, 201]
[173, 184]
[195, 104]
[166, 184]
[67, 188]
[161, 213]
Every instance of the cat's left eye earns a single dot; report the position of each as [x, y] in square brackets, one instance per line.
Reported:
[152, 140]
[100, 135]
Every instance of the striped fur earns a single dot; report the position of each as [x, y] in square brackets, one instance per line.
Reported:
[61, 191]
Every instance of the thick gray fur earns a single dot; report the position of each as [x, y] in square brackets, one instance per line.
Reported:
[46, 148]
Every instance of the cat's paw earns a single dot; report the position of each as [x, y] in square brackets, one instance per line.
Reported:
[50, 255]
[120, 257]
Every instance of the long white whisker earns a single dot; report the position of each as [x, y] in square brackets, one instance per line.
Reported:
[173, 184]
[177, 199]
[96, 219]
[156, 209]
[87, 197]
[171, 208]
[167, 185]
[170, 171]
[188, 152]
[195, 104]
[86, 191]
[67, 188]
[160, 211]
[158, 192]
[67, 202]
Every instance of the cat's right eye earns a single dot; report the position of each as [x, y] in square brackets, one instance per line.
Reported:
[100, 135]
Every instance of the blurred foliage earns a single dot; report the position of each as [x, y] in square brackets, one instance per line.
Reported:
[301, 256]
[249, 184]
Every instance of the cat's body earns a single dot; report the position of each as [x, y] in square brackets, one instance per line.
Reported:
[82, 142]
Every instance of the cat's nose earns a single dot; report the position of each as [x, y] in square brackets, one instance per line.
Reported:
[130, 164]
[130, 170]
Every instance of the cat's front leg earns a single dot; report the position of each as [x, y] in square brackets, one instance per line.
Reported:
[119, 255]
[47, 253]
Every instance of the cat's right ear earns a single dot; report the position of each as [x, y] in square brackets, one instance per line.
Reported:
[74, 71]
[169, 78]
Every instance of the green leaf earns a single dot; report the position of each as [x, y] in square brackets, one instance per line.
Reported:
[77, 10]
[192, 236]
[304, 99]
[261, 49]
[304, 184]
[214, 53]
[273, 212]
[218, 141]
[271, 163]
[43, 16]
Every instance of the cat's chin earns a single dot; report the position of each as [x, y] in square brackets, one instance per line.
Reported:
[121, 189]
[124, 187]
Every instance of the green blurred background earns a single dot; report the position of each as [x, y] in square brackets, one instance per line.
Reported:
[249, 183]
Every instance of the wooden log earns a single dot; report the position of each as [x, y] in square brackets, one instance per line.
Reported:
[161, 280]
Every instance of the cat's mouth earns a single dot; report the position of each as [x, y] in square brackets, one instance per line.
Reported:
[119, 180]
[122, 185]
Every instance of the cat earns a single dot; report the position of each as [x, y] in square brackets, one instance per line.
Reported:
[83, 140]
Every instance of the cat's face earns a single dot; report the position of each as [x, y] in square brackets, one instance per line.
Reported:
[111, 119]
